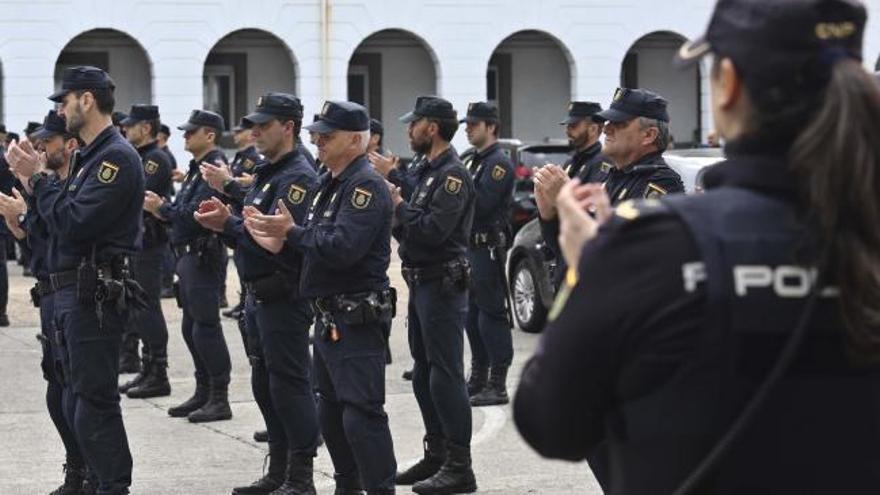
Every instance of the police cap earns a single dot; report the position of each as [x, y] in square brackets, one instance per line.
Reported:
[140, 113]
[243, 125]
[82, 77]
[776, 41]
[628, 104]
[341, 116]
[582, 110]
[164, 129]
[203, 118]
[53, 125]
[280, 106]
[31, 127]
[12, 136]
[430, 107]
[481, 111]
[376, 127]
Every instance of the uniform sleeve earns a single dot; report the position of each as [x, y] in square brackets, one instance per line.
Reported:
[664, 183]
[182, 213]
[622, 331]
[157, 173]
[448, 204]
[86, 215]
[346, 241]
[403, 179]
[235, 192]
[494, 190]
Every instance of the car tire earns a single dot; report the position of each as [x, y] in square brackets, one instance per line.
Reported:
[528, 309]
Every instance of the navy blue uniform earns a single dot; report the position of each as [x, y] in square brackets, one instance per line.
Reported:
[488, 326]
[278, 319]
[346, 249]
[244, 162]
[150, 324]
[647, 177]
[199, 264]
[434, 229]
[97, 214]
[7, 182]
[171, 159]
[406, 176]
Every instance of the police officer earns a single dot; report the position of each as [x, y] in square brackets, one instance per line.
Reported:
[162, 141]
[588, 164]
[636, 136]
[377, 136]
[199, 260]
[488, 324]
[687, 311]
[7, 181]
[23, 221]
[278, 318]
[141, 127]
[345, 244]
[434, 229]
[94, 223]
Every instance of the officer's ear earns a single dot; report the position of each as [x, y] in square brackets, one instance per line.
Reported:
[650, 135]
[727, 85]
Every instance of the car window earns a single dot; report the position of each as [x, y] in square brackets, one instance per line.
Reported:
[539, 156]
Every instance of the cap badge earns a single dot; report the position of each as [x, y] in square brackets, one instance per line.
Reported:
[326, 109]
[618, 95]
[835, 30]
[260, 101]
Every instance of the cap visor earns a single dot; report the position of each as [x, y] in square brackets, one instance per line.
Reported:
[612, 115]
[321, 127]
[42, 133]
[691, 52]
[58, 96]
[239, 128]
[128, 121]
[572, 120]
[188, 127]
[410, 117]
[259, 118]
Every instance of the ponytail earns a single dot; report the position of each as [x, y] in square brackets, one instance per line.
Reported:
[836, 159]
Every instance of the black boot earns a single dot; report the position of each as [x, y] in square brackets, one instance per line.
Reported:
[217, 407]
[456, 475]
[129, 361]
[198, 399]
[435, 456]
[300, 476]
[74, 476]
[495, 393]
[261, 436]
[139, 378]
[407, 375]
[477, 380]
[270, 482]
[156, 382]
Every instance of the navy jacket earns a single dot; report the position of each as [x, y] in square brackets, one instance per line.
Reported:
[493, 178]
[184, 228]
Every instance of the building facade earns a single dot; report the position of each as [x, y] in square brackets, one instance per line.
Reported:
[529, 57]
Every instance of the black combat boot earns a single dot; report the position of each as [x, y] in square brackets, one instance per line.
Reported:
[198, 399]
[495, 393]
[477, 380]
[129, 361]
[456, 475]
[74, 477]
[139, 378]
[217, 407]
[270, 482]
[261, 436]
[300, 476]
[435, 456]
[156, 382]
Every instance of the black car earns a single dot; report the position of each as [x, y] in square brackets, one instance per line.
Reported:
[531, 262]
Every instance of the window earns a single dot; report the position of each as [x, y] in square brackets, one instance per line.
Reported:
[219, 84]
[359, 85]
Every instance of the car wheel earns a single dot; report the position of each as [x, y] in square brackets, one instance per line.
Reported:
[528, 309]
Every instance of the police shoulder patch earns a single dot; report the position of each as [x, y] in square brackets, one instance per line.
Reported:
[453, 184]
[654, 191]
[498, 172]
[296, 194]
[108, 172]
[151, 167]
[361, 197]
[248, 164]
[605, 167]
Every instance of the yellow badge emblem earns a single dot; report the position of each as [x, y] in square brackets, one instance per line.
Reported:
[618, 95]
[108, 172]
[498, 172]
[248, 164]
[627, 210]
[361, 198]
[654, 191]
[296, 194]
[151, 167]
[453, 185]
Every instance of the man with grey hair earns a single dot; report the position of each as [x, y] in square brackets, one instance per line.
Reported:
[636, 135]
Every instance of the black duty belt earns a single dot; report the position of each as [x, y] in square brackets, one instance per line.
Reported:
[43, 287]
[62, 280]
[345, 302]
[193, 247]
[415, 275]
[488, 239]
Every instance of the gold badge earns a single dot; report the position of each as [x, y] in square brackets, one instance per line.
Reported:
[296, 194]
[260, 101]
[361, 198]
[151, 167]
[108, 172]
[453, 185]
[571, 106]
[325, 109]
[498, 172]
[835, 30]
[248, 164]
[606, 167]
[654, 191]
[627, 210]
[618, 95]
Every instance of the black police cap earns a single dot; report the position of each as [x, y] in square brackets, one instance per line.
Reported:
[628, 104]
[481, 111]
[341, 116]
[12, 136]
[376, 127]
[776, 40]
[582, 110]
[275, 106]
[53, 125]
[31, 127]
[430, 107]
[140, 113]
[203, 118]
[117, 117]
[164, 129]
[82, 77]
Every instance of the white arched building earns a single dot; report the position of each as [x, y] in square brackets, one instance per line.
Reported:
[529, 57]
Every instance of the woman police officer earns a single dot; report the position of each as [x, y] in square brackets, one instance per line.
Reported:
[729, 342]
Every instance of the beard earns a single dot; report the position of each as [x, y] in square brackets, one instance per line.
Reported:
[419, 146]
[55, 161]
[75, 121]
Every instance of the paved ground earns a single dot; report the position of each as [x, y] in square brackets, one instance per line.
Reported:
[172, 456]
